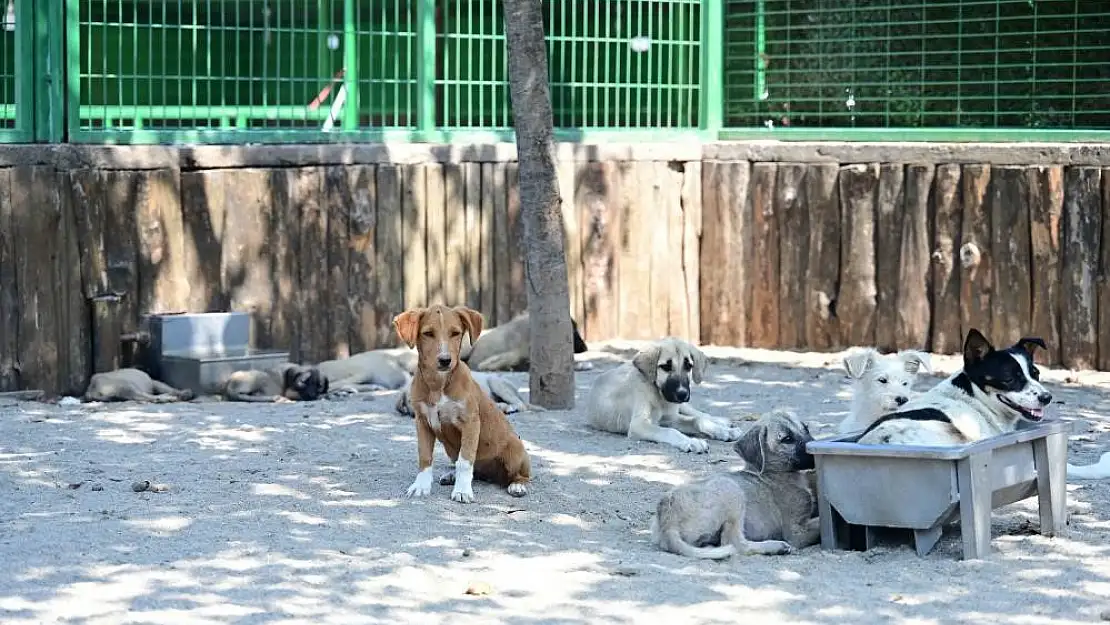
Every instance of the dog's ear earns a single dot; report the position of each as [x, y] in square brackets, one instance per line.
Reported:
[407, 325]
[472, 319]
[1030, 344]
[750, 447]
[289, 377]
[915, 360]
[324, 382]
[700, 364]
[976, 347]
[646, 360]
[579, 343]
[858, 362]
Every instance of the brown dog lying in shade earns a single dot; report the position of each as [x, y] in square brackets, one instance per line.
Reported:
[452, 408]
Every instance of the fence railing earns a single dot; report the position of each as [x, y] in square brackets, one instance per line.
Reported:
[140, 71]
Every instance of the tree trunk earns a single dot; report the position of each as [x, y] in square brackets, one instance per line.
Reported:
[551, 376]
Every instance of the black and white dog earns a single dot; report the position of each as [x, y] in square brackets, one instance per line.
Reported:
[995, 390]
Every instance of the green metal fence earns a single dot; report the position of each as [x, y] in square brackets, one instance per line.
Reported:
[973, 69]
[435, 70]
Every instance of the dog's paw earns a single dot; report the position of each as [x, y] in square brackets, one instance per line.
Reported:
[422, 485]
[283, 400]
[462, 495]
[583, 366]
[735, 433]
[447, 479]
[507, 408]
[694, 445]
[781, 548]
[516, 489]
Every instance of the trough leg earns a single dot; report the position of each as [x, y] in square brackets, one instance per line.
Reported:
[830, 522]
[975, 505]
[925, 540]
[1050, 456]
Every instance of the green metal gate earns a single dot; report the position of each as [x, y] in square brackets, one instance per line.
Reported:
[22, 72]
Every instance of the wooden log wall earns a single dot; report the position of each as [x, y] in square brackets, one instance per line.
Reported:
[903, 255]
[324, 257]
[787, 255]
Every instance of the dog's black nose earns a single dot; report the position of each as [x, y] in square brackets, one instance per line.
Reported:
[901, 400]
[1045, 398]
[443, 361]
[682, 394]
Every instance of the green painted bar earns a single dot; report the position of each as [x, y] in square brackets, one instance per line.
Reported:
[426, 66]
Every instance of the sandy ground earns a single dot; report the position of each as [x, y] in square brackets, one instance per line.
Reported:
[296, 514]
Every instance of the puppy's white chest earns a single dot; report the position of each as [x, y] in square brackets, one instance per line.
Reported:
[444, 411]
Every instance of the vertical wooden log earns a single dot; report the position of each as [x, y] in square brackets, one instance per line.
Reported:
[36, 218]
[945, 338]
[246, 270]
[163, 277]
[657, 239]
[725, 246]
[338, 204]
[674, 275]
[572, 238]
[793, 212]
[1104, 279]
[455, 235]
[912, 303]
[476, 240]
[74, 322]
[414, 211]
[283, 237]
[976, 264]
[518, 297]
[1012, 301]
[389, 240]
[764, 321]
[202, 212]
[1081, 257]
[634, 318]
[691, 247]
[107, 327]
[435, 208]
[823, 255]
[596, 197]
[1046, 209]
[503, 246]
[855, 303]
[359, 281]
[9, 295]
[489, 244]
[889, 210]
[313, 336]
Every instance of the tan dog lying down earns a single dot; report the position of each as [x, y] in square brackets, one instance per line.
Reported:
[374, 370]
[452, 408]
[286, 382]
[132, 385]
[506, 347]
[503, 394]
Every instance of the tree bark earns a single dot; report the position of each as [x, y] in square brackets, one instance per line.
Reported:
[551, 375]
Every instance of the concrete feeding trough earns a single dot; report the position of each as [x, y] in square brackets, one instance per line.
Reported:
[864, 487]
[199, 351]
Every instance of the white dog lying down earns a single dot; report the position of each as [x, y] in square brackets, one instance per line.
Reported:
[377, 369]
[1097, 471]
[880, 384]
[500, 390]
[647, 398]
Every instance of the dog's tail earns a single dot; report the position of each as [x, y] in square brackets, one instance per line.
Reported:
[671, 540]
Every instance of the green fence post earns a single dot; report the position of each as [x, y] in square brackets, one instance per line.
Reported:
[426, 67]
[49, 77]
[70, 99]
[25, 61]
[712, 103]
[350, 66]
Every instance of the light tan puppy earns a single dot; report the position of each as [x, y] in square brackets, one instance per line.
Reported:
[377, 369]
[453, 409]
[285, 383]
[132, 384]
[506, 347]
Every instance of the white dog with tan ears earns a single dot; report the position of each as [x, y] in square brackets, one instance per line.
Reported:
[648, 398]
[881, 384]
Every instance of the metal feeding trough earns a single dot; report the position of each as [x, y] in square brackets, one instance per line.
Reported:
[863, 487]
[199, 351]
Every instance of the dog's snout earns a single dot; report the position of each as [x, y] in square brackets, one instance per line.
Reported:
[682, 394]
[901, 399]
[443, 360]
[1045, 398]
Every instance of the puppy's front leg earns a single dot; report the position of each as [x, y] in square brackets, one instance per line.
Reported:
[643, 428]
[425, 446]
[464, 466]
[713, 427]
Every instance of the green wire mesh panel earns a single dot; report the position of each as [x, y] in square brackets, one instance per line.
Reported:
[861, 63]
[8, 65]
[613, 64]
[243, 64]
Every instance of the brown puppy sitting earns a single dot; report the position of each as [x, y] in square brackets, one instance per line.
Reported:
[283, 383]
[453, 409]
